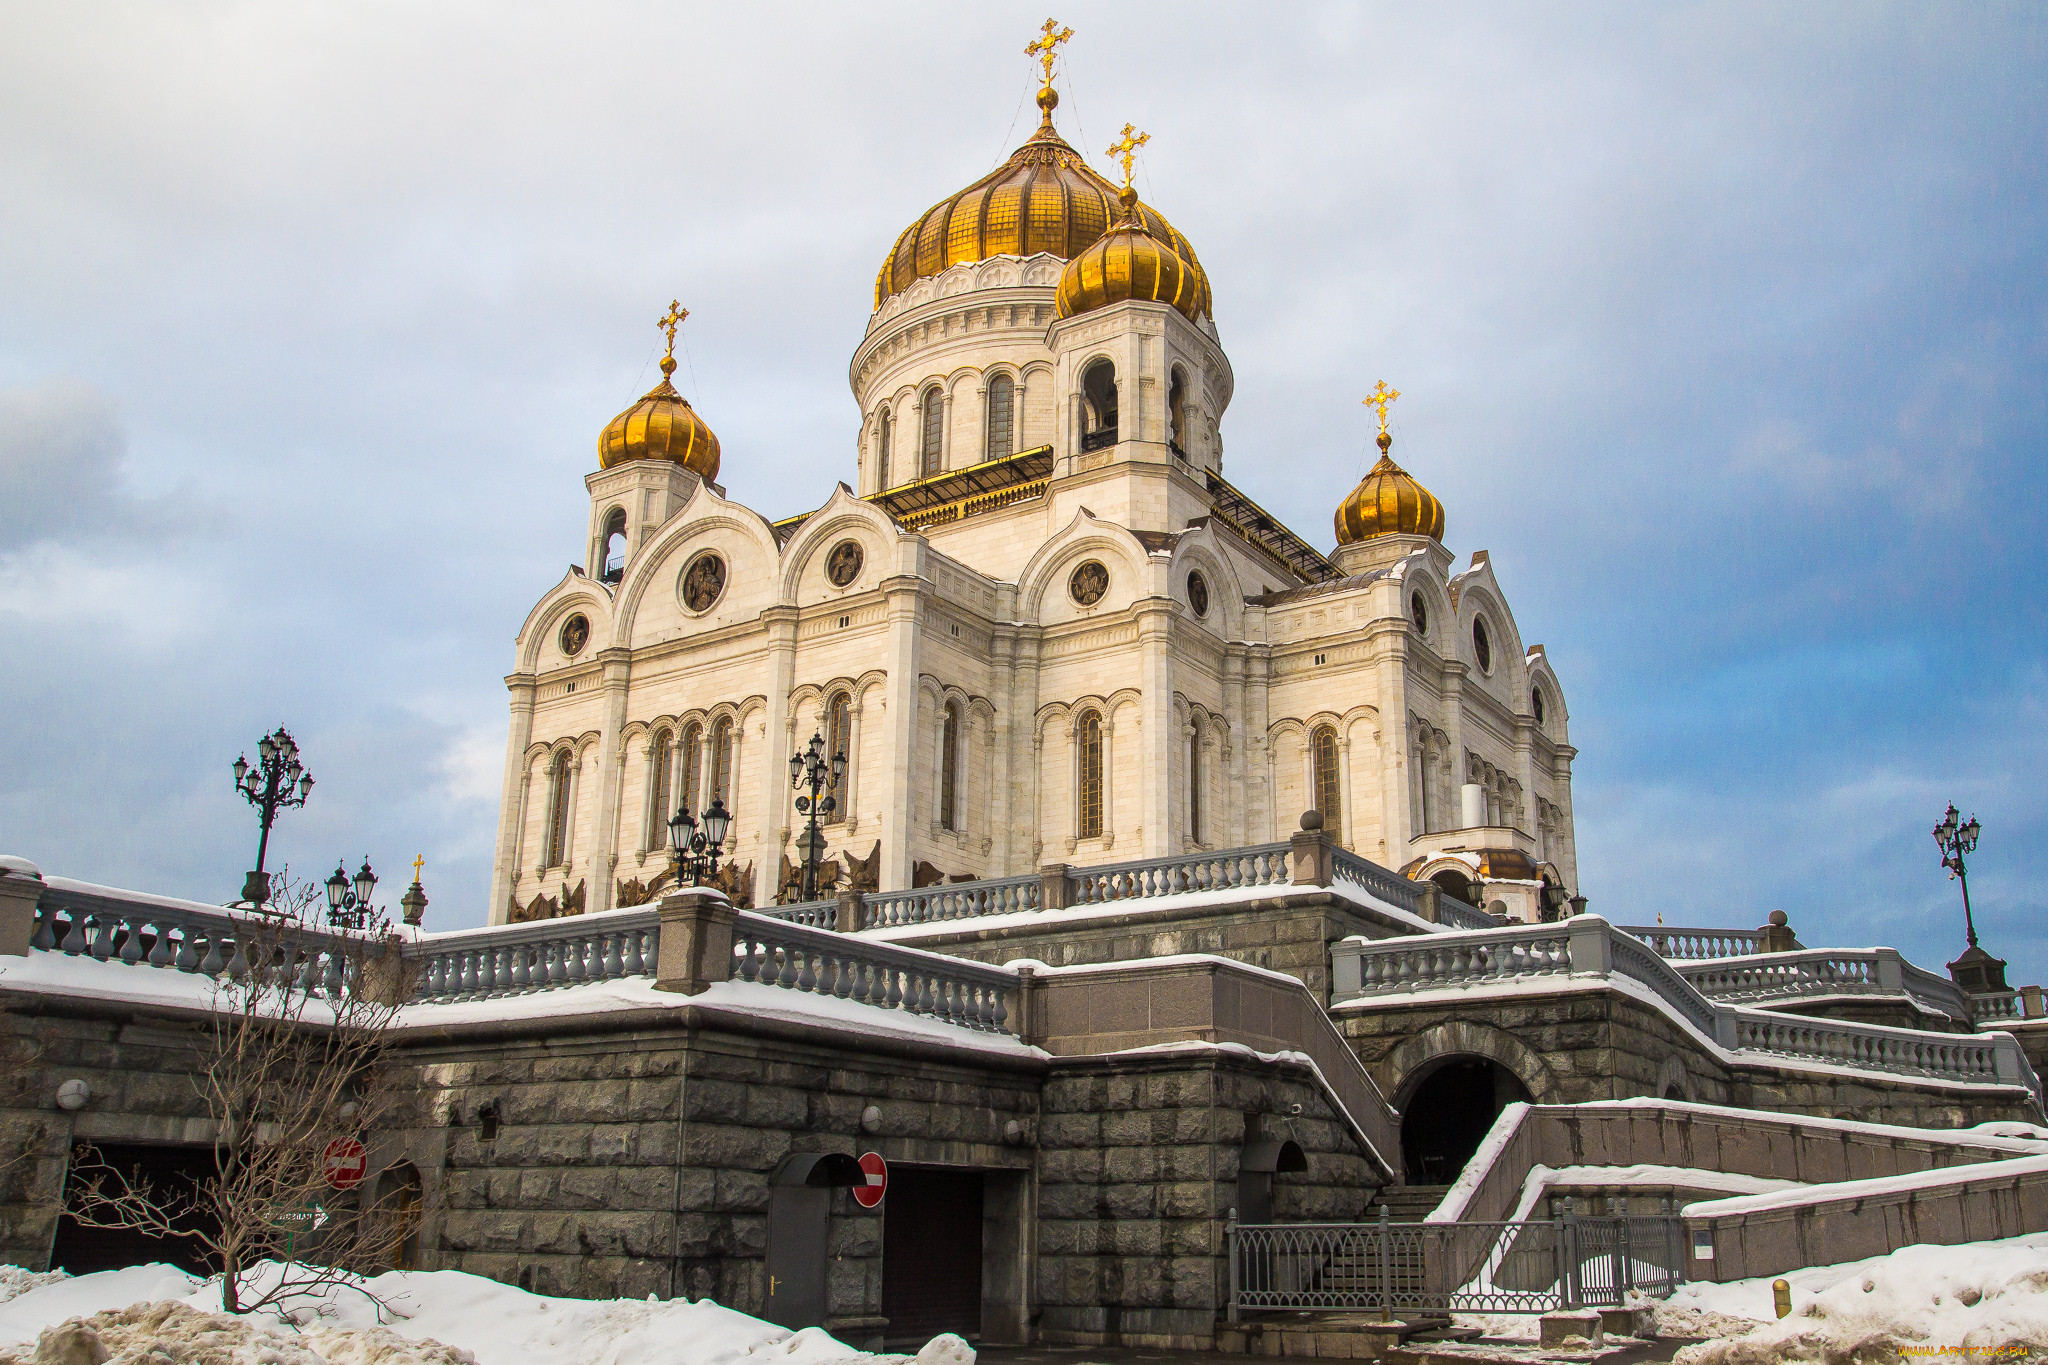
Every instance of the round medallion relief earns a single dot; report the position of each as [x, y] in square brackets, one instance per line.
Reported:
[1198, 593]
[1089, 583]
[843, 565]
[703, 581]
[575, 634]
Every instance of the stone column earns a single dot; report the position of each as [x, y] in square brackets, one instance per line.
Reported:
[774, 815]
[1108, 780]
[1002, 671]
[903, 604]
[1454, 719]
[1258, 758]
[1024, 689]
[1347, 826]
[1236, 738]
[611, 770]
[1525, 768]
[1561, 774]
[21, 888]
[512, 800]
[1396, 818]
[1155, 639]
[847, 789]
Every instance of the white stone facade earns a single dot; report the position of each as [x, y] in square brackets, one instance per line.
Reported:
[976, 685]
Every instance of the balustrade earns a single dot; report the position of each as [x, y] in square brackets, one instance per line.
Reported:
[1693, 945]
[517, 959]
[774, 952]
[210, 943]
[951, 900]
[1260, 865]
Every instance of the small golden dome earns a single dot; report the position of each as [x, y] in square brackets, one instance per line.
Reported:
[1389, 501]
[1044, 198]
[661, 426]
[1127, 262]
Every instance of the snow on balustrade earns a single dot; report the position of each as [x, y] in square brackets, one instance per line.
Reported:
[954, 900]
[1692, 945]
[1260, 865]
[952, 990]
[518, 958]
[208, 942]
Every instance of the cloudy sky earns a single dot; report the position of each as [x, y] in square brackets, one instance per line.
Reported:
[1723, 328]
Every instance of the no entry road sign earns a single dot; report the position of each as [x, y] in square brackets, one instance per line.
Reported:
[869, 1193]
[345, 1163]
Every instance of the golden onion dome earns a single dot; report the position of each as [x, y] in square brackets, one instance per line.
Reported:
[661, 426]
[1126, 262]
[1389, 501]
[1043, 199]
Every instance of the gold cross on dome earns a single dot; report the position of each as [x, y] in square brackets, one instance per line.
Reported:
[672, 320]
[1047, 45]
[1380, 398]
[417, 864]
[1125, 148]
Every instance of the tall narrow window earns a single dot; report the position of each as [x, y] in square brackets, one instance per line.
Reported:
[1002, 430]
[721, 763]
[838, 735]
[558, 812]
[615, 546]
[1195, 786]
[1323, 749]
[1088, 738]
[1098, 403]
[930, 448]
[691, 791]
[1176, 397]
[882, 425]
[949, 768]
[660, 763]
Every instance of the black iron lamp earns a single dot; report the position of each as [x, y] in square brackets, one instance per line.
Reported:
[695, 845]
[277, 781]
[1976, 971]
[811, 771]
[348, 901]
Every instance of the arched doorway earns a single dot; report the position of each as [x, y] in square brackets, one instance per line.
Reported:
[398, 1196]
[1449, 1114]
[1455, 884]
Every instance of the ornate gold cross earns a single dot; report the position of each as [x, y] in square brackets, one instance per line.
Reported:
[1380, 398]
[669, 323]
[1125, 148]
[1046, 46]
[417, 864]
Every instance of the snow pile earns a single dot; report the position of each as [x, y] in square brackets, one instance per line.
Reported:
[1986, 1298]
[14, 1280]
[439, 1317]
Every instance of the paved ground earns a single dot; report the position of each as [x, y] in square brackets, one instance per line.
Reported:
[1418, 1353]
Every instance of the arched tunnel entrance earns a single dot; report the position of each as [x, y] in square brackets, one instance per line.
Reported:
[1448, 1115]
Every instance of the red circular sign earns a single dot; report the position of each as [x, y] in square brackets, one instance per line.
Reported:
[877, 1171]
[345, 1163]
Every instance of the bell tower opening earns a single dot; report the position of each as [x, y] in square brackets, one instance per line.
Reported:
[1098, 405]
[615, 546]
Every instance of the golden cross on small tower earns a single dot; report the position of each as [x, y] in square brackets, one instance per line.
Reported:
[1380, 398]
[1125, 148]
[417, 864]
[672, 320]
[1046, 46]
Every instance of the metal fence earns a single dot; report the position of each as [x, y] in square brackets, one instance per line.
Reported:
[1538, 1265]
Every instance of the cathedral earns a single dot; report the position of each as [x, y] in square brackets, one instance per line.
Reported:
[1040, 622]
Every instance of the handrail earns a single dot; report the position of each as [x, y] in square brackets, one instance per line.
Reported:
[815, 914]
[1259, 865]
[1394, 889]
[1821, 972]
[1696, 945]
[949, 900]
[776, 952]
[516, 959]
[1587, 945]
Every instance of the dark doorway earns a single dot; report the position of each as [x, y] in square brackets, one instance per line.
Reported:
[931, 1253]
[173, 1174]
[398, 1196]
[799, 1227]
[1449, 1114]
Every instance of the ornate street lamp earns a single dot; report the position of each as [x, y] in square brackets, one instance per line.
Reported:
[277, 781]
[809, 768]
[695, 845]
[348, 905]
[1976, 971]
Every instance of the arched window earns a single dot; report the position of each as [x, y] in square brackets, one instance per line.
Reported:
[882, 449]
[615, 546]
[1536, 704]
[1002, 426]
[949, 768]
[1328, 793]
[1176, 397]
[1482, 645]
[721, 763]
[1088, 739]
[931, 449]
[557, 850]
[690, 793]
[1195, 786]
[660, 765]
[1098, 406]
[838, 736]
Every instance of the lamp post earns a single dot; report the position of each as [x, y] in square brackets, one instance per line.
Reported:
[695, 845]
[277, 781]
[809, 768]
[348, 903]
[1956, 840]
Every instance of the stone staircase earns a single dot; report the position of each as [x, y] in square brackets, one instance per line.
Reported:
[1405, 1203]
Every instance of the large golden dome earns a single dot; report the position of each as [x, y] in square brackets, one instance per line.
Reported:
[1126, 262]
[1044, 198]
[1388, 501]
[661, 426]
